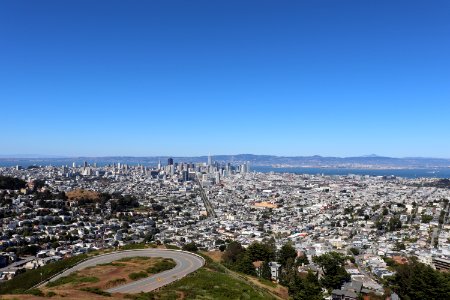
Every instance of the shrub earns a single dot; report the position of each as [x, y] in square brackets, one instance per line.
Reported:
[73, 278]
[96, 291]
[137, 275]
[160, 266]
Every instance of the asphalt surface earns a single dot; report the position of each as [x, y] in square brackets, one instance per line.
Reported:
[186, 263]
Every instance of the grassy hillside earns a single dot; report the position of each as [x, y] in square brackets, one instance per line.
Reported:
[213, 281]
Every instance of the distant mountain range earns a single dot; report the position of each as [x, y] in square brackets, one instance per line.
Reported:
[369, 161]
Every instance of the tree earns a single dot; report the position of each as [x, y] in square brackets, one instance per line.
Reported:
[245, 265]
[258, 251]
[192, 247]
[419, 281]
[399, 246]
[354, 251]
[11, 183]
[332, 265]
[394, 224]
[426, 218]
[222, 248]
[265, 271]
[302, 259]
[232, 253]
[305, 288]
[287, 251]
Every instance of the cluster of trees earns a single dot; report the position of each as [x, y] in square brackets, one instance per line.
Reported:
[441, 183]
[334, 273]
[419, 281]
[394, 224]
[304, 285]
[191, 247]
[11, 183]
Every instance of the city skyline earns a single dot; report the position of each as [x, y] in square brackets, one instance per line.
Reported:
[298, 78]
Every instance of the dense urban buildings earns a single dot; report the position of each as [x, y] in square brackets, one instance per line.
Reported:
[49, 212]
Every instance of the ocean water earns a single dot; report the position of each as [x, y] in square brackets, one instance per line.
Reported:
[405, 173]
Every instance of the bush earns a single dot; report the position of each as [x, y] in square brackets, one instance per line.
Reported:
[137, 275]
[354, 251]
[142, 296]
[191, 247]
[96, 291]
[160, 266]
[73, 278]
[115, 282]
[173, 247]
[50, 294]
[35, 292]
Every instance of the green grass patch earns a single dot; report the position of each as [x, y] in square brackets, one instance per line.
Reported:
[138, 275]
[30, 278]
[96, 291]
[35, 292]
[137, 246]
[162, 265]
[73, 278]
[267, 282]
[173, 247]
[141, 296]
[207, 284]
[113, 264]
[125, 259]
[50, 294]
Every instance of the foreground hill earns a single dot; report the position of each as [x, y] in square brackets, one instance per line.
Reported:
[213, 281]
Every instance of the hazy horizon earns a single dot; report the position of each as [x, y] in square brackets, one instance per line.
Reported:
[49, 156]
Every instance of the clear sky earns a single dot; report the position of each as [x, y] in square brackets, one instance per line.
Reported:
[142, 78]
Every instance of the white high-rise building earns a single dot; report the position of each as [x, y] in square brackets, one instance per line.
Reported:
[209, 159]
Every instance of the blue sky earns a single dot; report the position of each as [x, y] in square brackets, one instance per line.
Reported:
[141, 78]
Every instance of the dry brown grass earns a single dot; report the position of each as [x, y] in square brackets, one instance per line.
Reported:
[107, 274]
[79, 194]
[216, 256]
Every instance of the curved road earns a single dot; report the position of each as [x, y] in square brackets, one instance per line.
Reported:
[186, 263]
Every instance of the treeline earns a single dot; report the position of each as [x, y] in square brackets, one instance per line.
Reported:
[11, 183]
[301, 285]
[441, 183]
[118, 202]
[416, 280]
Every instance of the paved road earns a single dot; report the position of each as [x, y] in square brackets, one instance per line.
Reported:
[209, 208]
[186, 263]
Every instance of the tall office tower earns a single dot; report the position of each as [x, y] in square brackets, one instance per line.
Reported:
[217, 178]
[244, 168]
[118, 166]
[248, 167]
[159, 165]
[95, 165]
[170, 161]
[74, 165]
[85, 164]
[185, 175]
[209, 159]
